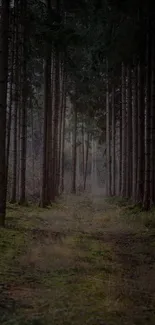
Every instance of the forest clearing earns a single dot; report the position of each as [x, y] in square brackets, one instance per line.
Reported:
[84, 261]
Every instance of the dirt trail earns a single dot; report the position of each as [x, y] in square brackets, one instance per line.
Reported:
[76, 263]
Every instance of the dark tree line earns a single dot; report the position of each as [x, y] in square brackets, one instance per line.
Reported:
[135, 81]
[100, 55]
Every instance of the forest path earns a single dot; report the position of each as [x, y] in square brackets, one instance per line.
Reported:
[83, 261]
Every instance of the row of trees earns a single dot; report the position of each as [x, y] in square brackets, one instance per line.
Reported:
[23, 71]
[132, 124]
[34, 62]
[80, 51]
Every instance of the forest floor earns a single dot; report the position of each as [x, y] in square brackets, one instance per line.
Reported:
[83, 261]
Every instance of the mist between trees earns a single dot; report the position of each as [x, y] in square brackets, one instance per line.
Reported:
[77, 96]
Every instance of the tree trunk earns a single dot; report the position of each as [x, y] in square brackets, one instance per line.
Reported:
[113, 142]
[134, 135]
[152, 131]
[16, 102]
[22, 198]
[43, 198]
[123, 186]
[22, 195]
[60, 128]
[129, 135]
[18, 99]
[49, 129]
[108, 137]
[51, 140]
[56, 121]
[74, 152]
[83, 147]
[120, 151]
[18, 132]
[63, 145]
[86, 163]
[147, 152]
[3, 103]
[62, 133]
[9, 121]
[141, 118]
[45, 190]
[14, 181]
[32, 145]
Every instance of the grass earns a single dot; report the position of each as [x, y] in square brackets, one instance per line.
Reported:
[83, 261]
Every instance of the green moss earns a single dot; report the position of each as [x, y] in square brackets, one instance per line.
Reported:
[11, 246]
[118, 201]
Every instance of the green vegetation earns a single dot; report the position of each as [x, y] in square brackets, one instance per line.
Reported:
[95, 269]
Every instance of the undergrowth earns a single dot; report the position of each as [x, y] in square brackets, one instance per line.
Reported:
[133, 213]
